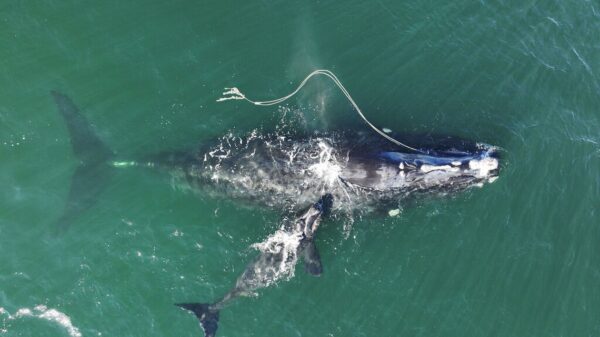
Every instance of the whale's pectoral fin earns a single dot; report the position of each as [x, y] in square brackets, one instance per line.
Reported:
[247, 293]
[312, 260]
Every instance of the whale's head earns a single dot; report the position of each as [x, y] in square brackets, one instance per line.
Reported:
[312, 218]
[324, 204]
[427, 171]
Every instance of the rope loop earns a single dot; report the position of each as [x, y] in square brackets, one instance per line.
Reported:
[235, 94]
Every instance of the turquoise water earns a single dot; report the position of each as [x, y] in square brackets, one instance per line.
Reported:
[518, 257]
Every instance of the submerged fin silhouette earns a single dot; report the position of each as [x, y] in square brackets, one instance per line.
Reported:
[312, 259]
[93, 171]
[87, 147]
[208, 316]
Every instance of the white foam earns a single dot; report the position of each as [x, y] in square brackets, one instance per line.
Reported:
[326, 169]
[56, 316]
[41, 311]
[23, 312]
[328, 172]
[285, 243]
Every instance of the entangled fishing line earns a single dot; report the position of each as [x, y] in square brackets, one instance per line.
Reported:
[236, 94]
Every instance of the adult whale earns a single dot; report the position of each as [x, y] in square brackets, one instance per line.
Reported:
[362, 171]
[289, 171]
[278, 257]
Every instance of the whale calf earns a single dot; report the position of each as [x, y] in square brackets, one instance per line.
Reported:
[279, 254]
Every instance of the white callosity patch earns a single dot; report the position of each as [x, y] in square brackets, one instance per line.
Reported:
[45, 313]
[483, 166]
[394, 212]
[429, 168]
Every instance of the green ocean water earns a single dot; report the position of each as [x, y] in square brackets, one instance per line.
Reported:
[519, 257]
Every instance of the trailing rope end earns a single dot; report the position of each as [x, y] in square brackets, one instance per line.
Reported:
[234, 94]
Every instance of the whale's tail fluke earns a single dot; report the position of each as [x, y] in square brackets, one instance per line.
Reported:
[208, 316]
[93, 171]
